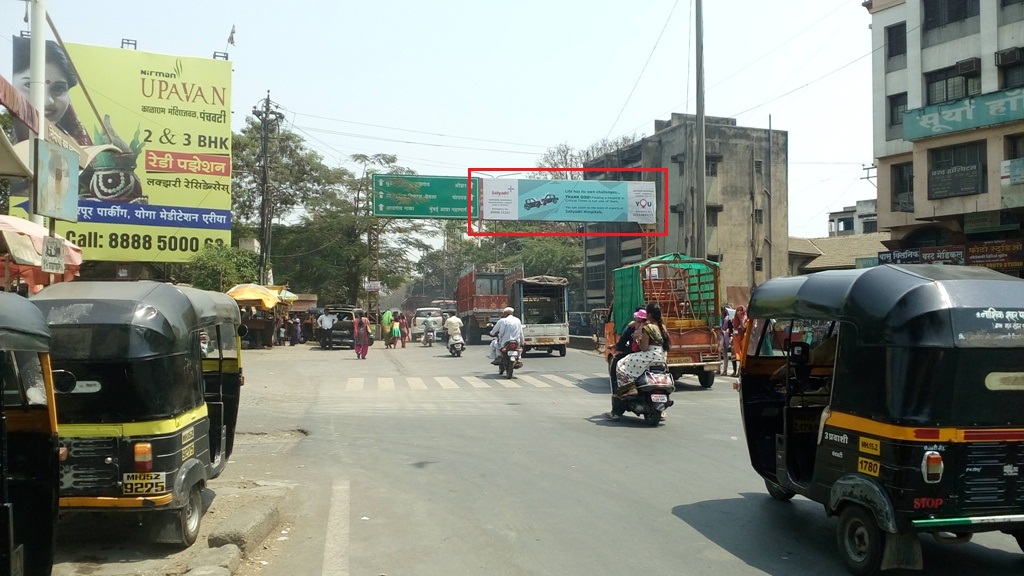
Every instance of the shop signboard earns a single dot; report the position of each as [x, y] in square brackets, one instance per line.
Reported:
[997, 254]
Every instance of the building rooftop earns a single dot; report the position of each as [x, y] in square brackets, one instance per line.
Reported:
[837, 252]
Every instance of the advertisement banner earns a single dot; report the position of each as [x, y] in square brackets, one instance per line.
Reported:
[996, 254]
[569, 200]
[56, 181]
[165, 193]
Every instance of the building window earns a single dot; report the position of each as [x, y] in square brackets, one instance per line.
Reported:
[712, 168]
[712, 218]
[759, 264]
[956, 171]
[941, 12]
[903, 187]
[1013, 76]
[896, 40]
[758, 167]
[945, 85]
[758, 216]
[897, 106]
[1015, 145]
[870, 226]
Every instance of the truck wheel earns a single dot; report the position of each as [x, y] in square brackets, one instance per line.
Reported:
[561, 350]
[860, 540]
[706, 378]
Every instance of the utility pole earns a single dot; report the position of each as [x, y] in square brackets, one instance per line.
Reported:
[269, 118]
[700, 250]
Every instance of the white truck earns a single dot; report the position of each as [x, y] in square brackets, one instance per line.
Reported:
[542, 302]
[421, 314]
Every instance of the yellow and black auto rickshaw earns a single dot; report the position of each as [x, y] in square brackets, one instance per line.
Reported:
[152, 415]
[891, 395]
[29, 477]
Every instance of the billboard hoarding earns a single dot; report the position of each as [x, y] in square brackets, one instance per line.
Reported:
[569, 200]
[166, 192]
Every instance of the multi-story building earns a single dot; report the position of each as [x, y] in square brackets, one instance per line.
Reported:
[948, 91]
[747, 218]
[859, 219]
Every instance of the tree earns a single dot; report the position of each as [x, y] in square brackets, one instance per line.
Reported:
[218, 268]
[296, 174]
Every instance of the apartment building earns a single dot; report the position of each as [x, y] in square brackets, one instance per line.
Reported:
[948, 91]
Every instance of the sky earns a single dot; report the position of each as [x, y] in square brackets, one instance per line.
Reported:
[448, 85]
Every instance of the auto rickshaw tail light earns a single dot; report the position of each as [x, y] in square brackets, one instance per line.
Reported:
[143, 457]
[932, 467]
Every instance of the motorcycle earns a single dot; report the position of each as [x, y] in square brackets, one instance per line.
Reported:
[649, 397]
[508, 358]
[456, 344]
[429, 336]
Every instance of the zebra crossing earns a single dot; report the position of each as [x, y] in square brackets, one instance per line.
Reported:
[495, 382]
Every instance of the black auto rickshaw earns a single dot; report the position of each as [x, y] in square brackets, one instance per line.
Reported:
[912, 425]
[29, 476]
[152, 416]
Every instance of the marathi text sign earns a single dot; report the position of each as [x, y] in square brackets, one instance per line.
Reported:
[166, 192]
[909, 256]
[996, 254]
[958, 180]
[974, 112]
[401, 196]
[569, 200]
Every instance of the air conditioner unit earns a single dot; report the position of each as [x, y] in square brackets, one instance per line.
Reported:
[1008, 57]
[969, 67]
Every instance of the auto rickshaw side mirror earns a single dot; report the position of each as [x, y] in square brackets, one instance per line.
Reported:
[799, 353]
[242, 330]
[64, 382]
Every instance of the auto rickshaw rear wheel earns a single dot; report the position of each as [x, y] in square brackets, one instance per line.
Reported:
[1019, 535]
[191, 516]
[860, 540]
[778, 492]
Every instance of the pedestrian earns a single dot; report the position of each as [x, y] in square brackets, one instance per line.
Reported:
[326, 323]
[403, 324]
[296, 334]
[739, 331]
[361, 334]
[726, 337]
[395, 330]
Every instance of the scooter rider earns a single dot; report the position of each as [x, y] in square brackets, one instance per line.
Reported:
[453, 326]
[506, 329]
[429, 325]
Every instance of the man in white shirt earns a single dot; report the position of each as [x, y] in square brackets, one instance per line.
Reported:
[326, 322]
[505, 330]
[453, 326]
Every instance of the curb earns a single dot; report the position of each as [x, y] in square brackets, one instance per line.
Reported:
[236, 537]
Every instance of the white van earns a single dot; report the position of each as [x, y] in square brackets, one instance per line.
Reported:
[416, 330]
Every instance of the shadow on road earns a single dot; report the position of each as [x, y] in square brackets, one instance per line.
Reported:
[797, 538]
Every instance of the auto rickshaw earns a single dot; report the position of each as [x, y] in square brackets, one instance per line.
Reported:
[915, 426]
[29, 454]
[151, 418]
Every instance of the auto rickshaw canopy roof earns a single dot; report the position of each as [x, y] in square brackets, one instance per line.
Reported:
[904, 304]
[22, 326]
[173, 312]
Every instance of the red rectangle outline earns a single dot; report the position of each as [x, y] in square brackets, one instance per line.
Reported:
[469, 202]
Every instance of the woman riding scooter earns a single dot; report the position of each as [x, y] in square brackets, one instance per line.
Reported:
[651, 345]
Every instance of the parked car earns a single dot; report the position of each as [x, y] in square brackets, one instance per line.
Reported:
[532, 203]
[342, 335]
[549, 199]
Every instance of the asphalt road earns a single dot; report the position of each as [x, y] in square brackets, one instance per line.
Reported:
[414, 462]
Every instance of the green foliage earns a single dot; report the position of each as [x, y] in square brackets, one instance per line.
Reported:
[221, 267]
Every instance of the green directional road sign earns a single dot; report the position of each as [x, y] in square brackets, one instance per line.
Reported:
[402, 196]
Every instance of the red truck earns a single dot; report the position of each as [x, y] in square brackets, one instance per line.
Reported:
[480, 296]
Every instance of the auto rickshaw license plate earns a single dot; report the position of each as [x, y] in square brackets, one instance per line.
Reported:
[144, 483]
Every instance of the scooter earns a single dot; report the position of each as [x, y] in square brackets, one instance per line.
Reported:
[429, 336]
[508, 358]
[455, 344]
[649, 397]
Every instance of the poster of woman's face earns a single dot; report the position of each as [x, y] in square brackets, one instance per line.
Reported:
[60, 79]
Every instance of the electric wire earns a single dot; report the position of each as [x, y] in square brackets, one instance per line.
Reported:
[435, 145]
[644, 69]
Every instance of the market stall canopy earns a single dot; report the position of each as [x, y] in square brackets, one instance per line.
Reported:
[22, 251]
[254, 294]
